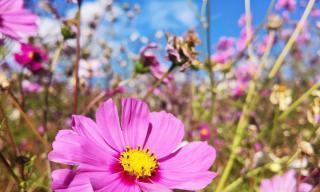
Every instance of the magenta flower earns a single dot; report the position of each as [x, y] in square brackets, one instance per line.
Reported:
[15, 21]
[137, 152]
[246, 72]
[224, 50]
[31, 57]
[204, 131]
[150, 60]
[284, 183]
[242, 41]
[289, 5]
[31, 87]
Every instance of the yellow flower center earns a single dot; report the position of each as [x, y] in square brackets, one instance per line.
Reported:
[30, 55]
[138, 162]
[204, 132]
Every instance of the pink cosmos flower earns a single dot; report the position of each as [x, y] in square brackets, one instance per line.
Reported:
[246, 72]
[90, 68]
[240, 88]
[225, 43]
[204, 131]
[243, 75]
[15, 21]
[224, 51]
[137, 152]
[261, 48]
[284, 183]
[31, 87]
[31, 57]
[149, 59]
[243, 20]
[315, 12]
[241, 43]
[289, 5]
[111, 92]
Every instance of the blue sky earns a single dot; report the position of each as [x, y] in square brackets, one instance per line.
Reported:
[178, 15]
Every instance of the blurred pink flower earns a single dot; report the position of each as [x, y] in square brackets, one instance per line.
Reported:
[41, 130]
[304, 37]
[149, 60]
[31, 57]
[16, 22]
[263, 45]
[114, 91]
[204, 131]
[137, 152]
[284, 183]
[241, 43]
[90, 68]
[246, 72]
[243, 20]
[225, 43]
[315, 12]
[289, 5]
[243, 75]
[239, 89]
[224, 50]
[31, 87]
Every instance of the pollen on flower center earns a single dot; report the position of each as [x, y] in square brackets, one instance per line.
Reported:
[138, 162]
[30, 55]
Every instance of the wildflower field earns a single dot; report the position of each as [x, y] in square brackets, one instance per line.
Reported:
[159, 95]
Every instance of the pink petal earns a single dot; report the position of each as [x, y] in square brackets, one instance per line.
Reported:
[11, 5]
[152, 187]
[108, 122]
[134, 122]
[73, 149]
[98, 179]
[187, 168]
[185, 180]
[88, 128]
[166, 133]
[196, 156]
[66, 180]
[305, 187]
[120, 184]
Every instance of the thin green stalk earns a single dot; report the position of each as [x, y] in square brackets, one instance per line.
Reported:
[158, 83]
[243, 122]
[248, 28]
[209, 66]
[76, 66]
[7, 128]
[292, 39]
[255, 172]
[28, 120]
[294, 105]
[246, 110]
[274, 127]
[9, 168]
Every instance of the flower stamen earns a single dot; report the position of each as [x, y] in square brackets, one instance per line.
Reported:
[138, 162]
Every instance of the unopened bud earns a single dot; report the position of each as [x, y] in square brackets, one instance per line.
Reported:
[274, 22]
[306, 148]
[4, 83]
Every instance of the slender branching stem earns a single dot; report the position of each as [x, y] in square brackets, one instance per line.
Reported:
[291, 40]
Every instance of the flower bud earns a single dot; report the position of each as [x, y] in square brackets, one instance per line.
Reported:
[306, 148]
[274, 22]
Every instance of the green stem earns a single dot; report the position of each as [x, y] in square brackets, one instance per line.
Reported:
[242, 124]
[158, 83]
[76, 66]
[294, 105]
[292, 39]
[274, 127]
[9, 168]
